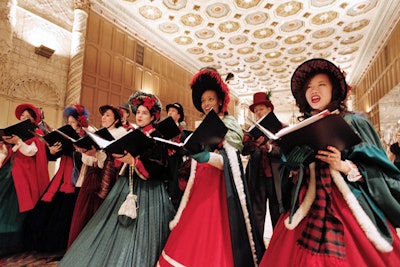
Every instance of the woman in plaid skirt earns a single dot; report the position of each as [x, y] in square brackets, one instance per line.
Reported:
[343, 210]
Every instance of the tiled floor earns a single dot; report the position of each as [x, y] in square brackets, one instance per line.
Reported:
[31, 259]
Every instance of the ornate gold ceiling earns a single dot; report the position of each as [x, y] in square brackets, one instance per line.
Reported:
[260, 41]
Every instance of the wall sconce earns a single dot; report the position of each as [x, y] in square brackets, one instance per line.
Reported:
[44, 51]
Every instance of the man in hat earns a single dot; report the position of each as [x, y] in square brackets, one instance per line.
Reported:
[126, 113]
[262, 172]
[175, 158]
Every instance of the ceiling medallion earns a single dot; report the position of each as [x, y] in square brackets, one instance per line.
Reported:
[215, 66]
[321, 3]
[232, 63]
[322, 45]
[218, 10]
[276, 63]
[261, 73]
[196, 50]
[351, 39]
[244, 75]
[183, 40]
[298, 59]
[324, 17]
[264, 79]
[322, 55]
[206, 59]
[251, 59]
[257, 66]
[362, 7]
[248, 81]
[263, 33]
[289, 8]
[256, 18]
[348, 50]
[150, 12]
[168, 27]
[273, 55]
[323, 33]
[238, 70]
[279, 70]
[268, 45]
[294, 39]
[229, 26]
[216, 45]
[355, 26]
[224, 55]
[296, 50]
[247, 3]
[245, 50]
[205, 34]
[175, 4]
[238, 39]
[293, 25]
[191, 19]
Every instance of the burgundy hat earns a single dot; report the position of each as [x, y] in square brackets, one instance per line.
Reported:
[312, 67]
[22, 107]
[261, 98]
[209, 79]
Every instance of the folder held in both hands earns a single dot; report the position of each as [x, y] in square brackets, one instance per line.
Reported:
[23, 129]
[319, 131]
[269, 122]
[207, 136]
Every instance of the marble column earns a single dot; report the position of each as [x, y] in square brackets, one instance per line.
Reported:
[74, 87]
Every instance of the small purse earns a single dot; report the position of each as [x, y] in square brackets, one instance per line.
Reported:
[127, 212]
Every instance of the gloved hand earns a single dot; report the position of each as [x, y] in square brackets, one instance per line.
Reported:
[201, 157]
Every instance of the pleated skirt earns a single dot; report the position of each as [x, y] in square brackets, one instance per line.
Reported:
[106, 242]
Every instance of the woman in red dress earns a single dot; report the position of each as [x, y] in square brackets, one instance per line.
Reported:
[345, 205]
[214, 225]
[22, 181]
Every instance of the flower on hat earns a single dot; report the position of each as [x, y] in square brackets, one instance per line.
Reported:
[150, 101]
[79, 112]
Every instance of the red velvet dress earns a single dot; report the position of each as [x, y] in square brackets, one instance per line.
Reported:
[284, 250]
[30, 175]
[192, 244]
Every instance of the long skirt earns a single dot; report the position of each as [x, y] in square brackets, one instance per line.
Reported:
[106, 242]
[283, 249]
[202, 235]
[11, 220]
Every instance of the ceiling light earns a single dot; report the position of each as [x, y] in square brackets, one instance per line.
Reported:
[44, 51]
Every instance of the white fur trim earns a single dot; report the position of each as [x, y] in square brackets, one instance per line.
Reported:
[186, 195]
[305, 206]
[361, 217]
[169, 260]
[234, 164]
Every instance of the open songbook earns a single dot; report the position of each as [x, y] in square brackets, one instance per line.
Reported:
[88, 141]
[319, 131]
[66, 135]
[23, 129]
[207, 136]
[134, 142]
[269, 122]
[166, 129]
